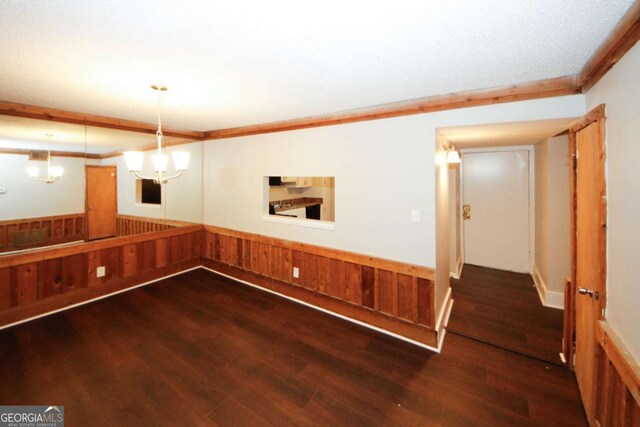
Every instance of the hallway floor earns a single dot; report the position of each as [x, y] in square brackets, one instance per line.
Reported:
[502, 308]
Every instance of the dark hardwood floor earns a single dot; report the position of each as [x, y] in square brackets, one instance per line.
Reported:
[503, 308]
[197, 349]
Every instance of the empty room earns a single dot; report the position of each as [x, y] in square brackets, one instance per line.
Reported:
[250, 213]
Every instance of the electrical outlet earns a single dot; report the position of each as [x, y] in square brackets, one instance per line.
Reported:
[101, 271]
[296, 272]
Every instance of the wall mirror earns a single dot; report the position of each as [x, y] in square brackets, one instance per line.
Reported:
[91, 194]
[303, 198]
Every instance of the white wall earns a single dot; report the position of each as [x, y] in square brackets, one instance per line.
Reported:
[619, 89]
[383, 170]
[26, 198]
[552, 259]
[181, 198]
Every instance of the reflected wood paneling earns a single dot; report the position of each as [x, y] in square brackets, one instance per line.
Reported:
[128, 225]
[16, 234]
[39, 282]
[618, 381]
[388, 294]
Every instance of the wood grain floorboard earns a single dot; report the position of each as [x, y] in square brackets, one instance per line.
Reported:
[198, 349]
[503, 309]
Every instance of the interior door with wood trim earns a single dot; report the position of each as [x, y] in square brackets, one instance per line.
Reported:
[590, 251]
[102, 201]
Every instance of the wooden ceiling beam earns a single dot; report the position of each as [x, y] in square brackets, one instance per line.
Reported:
[24, 151]
[623, 37]
[531, 90]
[43, 113]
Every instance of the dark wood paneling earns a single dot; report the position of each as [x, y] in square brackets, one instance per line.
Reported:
[406, 296]
[385, 291]
[309, 271]
[146, 255]
[368, 286]
[324, 274]
[162, 253]
[381, 287]
[425, 305]
[617, 383]
[25, 284]
[353, 280]
[74, 272]
[5, 288]
[59, 229]
[129, 260]
[337, 283]
[48, 283]
[51, 278]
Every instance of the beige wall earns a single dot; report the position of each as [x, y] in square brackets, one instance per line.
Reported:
[26, 198]
[619, 89]
[552, 258]
[383, 169]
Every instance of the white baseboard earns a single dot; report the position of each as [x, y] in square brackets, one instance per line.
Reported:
[459, 264]
[443, 318]
[548, 298]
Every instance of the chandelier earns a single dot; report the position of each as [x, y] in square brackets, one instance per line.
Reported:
[160, 160]
[53, 172]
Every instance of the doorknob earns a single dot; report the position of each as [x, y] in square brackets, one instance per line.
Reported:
[590, 292]
[466, 212]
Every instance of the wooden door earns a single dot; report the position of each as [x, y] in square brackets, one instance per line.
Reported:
[590, 252]
[496, 189]
[102, 201]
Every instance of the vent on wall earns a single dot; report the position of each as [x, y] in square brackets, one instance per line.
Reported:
[38, 155]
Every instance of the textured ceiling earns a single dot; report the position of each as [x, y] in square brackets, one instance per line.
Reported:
[505, 134]
[246, 62]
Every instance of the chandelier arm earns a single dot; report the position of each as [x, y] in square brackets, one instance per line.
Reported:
[142, 176]
[178, 175]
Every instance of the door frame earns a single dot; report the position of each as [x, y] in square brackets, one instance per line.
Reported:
[532, 198]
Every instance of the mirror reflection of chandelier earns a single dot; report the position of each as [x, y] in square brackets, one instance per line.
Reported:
[53, 172]
[134, 159]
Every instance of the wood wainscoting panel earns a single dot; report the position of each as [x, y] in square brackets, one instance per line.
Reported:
[618, 381]
[34, 283]
[128, 225]
[52, 230]
[387, 294]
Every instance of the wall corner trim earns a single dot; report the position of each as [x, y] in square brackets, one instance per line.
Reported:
[548, 298]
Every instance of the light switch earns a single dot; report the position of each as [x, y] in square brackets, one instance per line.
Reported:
[3, 191]
[415, 215]
[296, 272]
